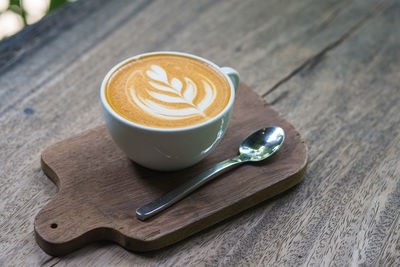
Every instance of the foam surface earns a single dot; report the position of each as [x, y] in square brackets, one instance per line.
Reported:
[167, 91]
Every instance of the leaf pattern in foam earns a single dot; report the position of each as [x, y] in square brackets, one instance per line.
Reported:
[150, 107]
[176, 84]
[173, 92]
[162, 87]
[157, 74]
[165, 98]
[209, 97]
[190, 90]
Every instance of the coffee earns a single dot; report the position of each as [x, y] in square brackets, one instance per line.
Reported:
[167, 91]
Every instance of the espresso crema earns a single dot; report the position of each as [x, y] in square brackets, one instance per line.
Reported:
[167, 91]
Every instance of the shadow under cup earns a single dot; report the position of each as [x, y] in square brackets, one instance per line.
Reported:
[170, 148]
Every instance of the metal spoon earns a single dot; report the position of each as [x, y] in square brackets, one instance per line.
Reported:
[257, 146]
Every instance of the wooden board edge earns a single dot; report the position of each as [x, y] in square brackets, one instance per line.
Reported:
[132, 244]
[49, 172]
[64, 248]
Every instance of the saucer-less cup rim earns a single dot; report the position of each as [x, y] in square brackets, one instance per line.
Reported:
[107, 106]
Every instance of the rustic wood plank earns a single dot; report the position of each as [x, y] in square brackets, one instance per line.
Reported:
[353, 138]
[270, 55]
[347, 200]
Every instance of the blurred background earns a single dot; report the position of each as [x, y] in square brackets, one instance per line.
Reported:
[16, 14]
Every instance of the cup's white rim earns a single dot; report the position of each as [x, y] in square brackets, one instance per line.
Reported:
[107, 106]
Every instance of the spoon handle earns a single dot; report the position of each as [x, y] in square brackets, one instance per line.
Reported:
[185, 189]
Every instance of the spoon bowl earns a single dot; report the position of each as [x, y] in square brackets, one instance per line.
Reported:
[262, 143]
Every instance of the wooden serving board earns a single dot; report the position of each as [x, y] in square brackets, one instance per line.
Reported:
[100, 188]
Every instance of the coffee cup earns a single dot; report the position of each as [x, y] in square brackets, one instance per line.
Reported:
[166, 110]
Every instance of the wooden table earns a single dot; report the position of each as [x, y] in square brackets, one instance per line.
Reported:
[332, 68]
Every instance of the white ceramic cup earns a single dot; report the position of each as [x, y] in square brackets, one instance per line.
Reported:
[168, 149]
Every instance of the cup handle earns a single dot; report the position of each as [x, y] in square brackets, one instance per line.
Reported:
[233, 74]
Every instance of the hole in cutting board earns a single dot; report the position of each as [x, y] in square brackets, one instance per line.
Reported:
[53, 225]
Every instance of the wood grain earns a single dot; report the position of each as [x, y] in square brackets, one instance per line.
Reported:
[334, 70]
[100, 188]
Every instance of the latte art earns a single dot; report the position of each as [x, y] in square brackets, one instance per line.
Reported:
[172, 92]
[167, 91]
